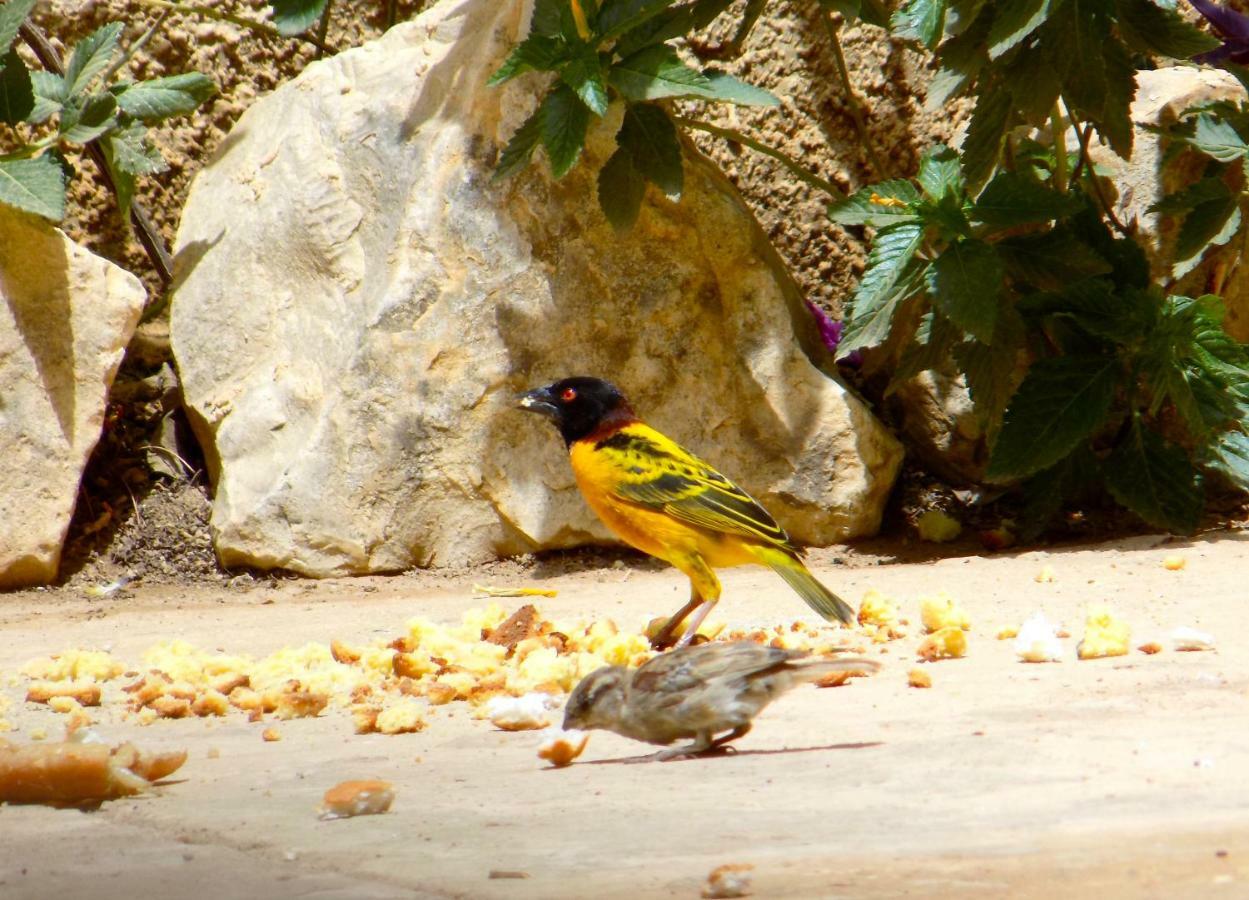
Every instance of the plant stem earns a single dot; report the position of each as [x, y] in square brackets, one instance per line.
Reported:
[392, 13]
[1102, 200]
[323, 28]
[134, 48]
[852, 99]
[729, 134]
[148, 236]
[1059, 127]
[255, 27]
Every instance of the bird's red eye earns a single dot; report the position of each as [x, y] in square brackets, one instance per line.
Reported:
[569, 395]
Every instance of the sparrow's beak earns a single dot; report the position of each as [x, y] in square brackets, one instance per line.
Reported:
[540, 402]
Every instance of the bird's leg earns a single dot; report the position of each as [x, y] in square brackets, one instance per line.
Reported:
[731, 736]
[704, 592]
[663, 640]
[702, 742]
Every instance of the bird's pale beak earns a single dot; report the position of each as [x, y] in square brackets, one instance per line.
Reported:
[538, 401]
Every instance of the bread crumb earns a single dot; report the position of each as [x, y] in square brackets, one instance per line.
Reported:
[919, 678]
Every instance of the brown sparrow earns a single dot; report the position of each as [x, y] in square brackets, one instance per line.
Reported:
[695, 692]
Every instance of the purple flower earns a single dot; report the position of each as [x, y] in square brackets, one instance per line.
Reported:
[1232, 27]
[830, 333]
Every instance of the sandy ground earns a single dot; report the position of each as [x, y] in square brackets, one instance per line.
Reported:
[1119, 777]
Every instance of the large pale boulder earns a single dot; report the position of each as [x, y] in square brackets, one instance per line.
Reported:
[65, 318]
[358, 305]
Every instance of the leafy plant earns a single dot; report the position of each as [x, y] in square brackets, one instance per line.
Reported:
[616, 49]
[85, 104]
[1078, 367]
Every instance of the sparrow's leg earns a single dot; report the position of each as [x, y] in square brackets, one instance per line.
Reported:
[731, 736]
[701, 743]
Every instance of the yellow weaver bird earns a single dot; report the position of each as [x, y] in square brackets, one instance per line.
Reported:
[663, 500]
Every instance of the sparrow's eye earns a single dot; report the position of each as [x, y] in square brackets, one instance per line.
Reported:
[569, 395]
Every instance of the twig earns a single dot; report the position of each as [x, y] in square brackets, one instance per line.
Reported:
[392, 13]
[155, 248]
[1060, 147]
[788, 162]
[1093, 179]
[259, 28]
[323, 28]
[852, 99]
[1082, 160]
[134, 48]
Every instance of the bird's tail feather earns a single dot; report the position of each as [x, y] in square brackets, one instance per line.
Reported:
[818, 597]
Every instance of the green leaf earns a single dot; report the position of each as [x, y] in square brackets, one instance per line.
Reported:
[990, 371]
[1014, 20]
[656, 72]
[17, 96]
[12, 15]
[921, 20]
[886, 203]
[1099, 78]
[1148, 28]
[1100, 310]
[706, 11]
[1229, 455]
[1129, 267]
[650, 137]
[621, 188]
[983, 144]
[1185, 199]
[1035, 82]
[130, 152]
[1212, 223]
[49, 94]
[1050, 260]
[79, 125]
[966, 284]
[670, 24]
[888, 280]
[1045, 493]
[724, 87]
[292, 17]
[1216, 138]
[1060, 403]
[934, 339]
[520, 146]
[91, 56]
[615, 17]
[1014, 199]
[536, 53]
[546, 17]
[564, 122]
[584, 74]
[939, 173]
[160, 98]
[1155, 480]
[962, 57]
[34, 185]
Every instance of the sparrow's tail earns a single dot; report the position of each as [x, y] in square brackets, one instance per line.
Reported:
[796, 575]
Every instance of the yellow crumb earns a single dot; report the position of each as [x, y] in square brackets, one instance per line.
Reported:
[1174, 562]
[1104, 635]
[942, 611]
[919, 678]
[947, 643]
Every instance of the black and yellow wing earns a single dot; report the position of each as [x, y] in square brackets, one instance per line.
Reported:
[654, 471]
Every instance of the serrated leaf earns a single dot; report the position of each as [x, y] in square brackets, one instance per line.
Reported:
[886, 203]
[520, 146]
[12, 15]
[1035, 83]
[1100, 310]
[564, 122]
[1014, 199]
[17, 96]
[291, 17]
[656, 72]
[724, 87]
[934, 339]
[966, 283]
[1060, 403]
[983, 144]
[34, 185]
[1209, 224]
[889, 279]
[670, 24]
[615, 17]
[706, 11]
[922, 20]
[1155, 480]
[621, 189]
[1229, 455]
[962, 57]
[1050, 260]
[1099, 78]
[1044, 494]
[990, 373]
[49, 94]
[130, 152]
[1129, 266]
[161, 98]
[538, 52]
[1185, 199]
[546, 17]
[1149, 28]
[79, 125]
[650, 137]
[1217, 139]
[939, 174]
[584, 74]
[1014, 20]
[91, 56]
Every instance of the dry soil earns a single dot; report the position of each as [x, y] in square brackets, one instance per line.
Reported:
[1122, 777]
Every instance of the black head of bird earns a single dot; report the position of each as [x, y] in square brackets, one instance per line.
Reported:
[577, 405]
